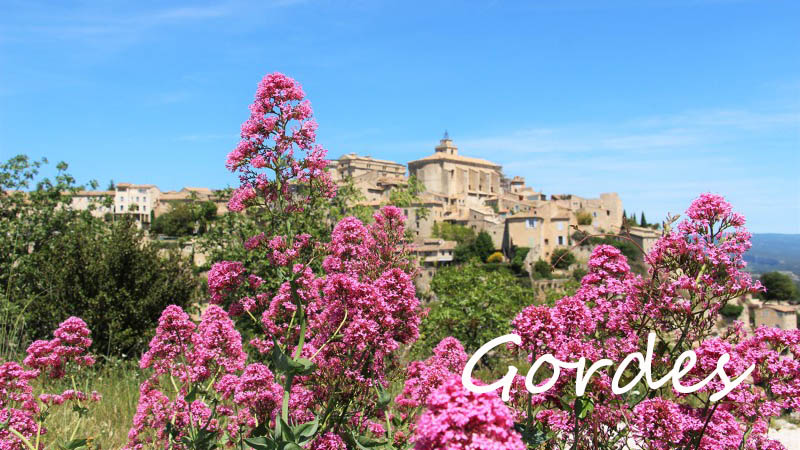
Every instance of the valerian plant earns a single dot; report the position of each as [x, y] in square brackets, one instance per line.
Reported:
[332, 323]
[22, 415]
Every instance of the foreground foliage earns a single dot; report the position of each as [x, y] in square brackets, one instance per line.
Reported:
[57, 262]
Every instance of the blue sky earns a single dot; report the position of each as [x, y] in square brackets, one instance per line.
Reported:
[656, 100]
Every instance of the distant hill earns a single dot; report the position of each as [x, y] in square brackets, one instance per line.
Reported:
[771, 252]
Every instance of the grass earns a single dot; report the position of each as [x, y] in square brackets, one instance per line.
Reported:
[107, 424]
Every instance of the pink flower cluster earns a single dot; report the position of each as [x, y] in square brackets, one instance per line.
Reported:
[370, 291]
[280, 124]
[458, 419]
[223, 278]
[18, 408]
[422, 377]
[70, 344]
[66, 353]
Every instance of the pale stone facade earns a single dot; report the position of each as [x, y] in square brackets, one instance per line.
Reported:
[353, 166]
[446, 172]
[777, 316]
[644, 238]
[99, 203]
[190, 194]
[431, 253]
[542, 229]
[138, 201]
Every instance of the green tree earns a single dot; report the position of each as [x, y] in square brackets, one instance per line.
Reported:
[185, 218]
[409, 196]
[454, 232]
[542, 269]
[779, 286]
[473, 305]
[578, 273]
[56, 262]
[643, 222]
[484, 246]
[518, 259]
[562, 258]
[113, 279]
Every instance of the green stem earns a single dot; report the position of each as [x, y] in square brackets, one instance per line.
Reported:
[22, 438]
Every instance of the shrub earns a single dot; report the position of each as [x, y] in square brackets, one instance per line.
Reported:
[562, 258]
[57, 262]
[542, 269]
[779, 286]
[578, 273]
[731, 311]
[584, 218]
[495, 257]
[518, 259]
[117, 282]
[473, 305]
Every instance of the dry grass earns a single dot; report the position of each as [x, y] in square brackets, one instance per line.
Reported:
[107, 424]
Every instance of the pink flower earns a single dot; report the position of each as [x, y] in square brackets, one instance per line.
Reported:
[459, 419]
[70, 344]
[216, 346]
[224, 277]
[423, 377]
[258, 391]
[173, 337]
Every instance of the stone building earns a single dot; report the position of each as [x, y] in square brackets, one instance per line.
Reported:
[605, 211]
[353, 166]
[775, 315]
[644, 238]
[99, 203]
[138, 201]
[446, 172]
[431, 254]
[166, 200]
[542, 229]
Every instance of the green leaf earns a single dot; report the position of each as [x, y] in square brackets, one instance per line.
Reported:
[583, 407]
[290, 446]
[286, 431]
[383, 397]
[82, 411]
[305, 431]
[192, 395]
[302, 366]
[533, 436]
[366, 442]
[74, 444]
[259, 443]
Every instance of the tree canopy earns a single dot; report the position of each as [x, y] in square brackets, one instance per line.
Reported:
[779, 286]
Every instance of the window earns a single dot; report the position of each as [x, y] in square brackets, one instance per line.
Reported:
[561, 240]
[530, 223]
[608, 213]
[144, 199]
[560, 225]
[137, 199]
[144, 208]
[122, 207]
[594, 214]
[122, 199]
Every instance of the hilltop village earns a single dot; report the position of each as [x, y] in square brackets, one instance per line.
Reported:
[475, 193]
[451, 189]
[457, 189]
